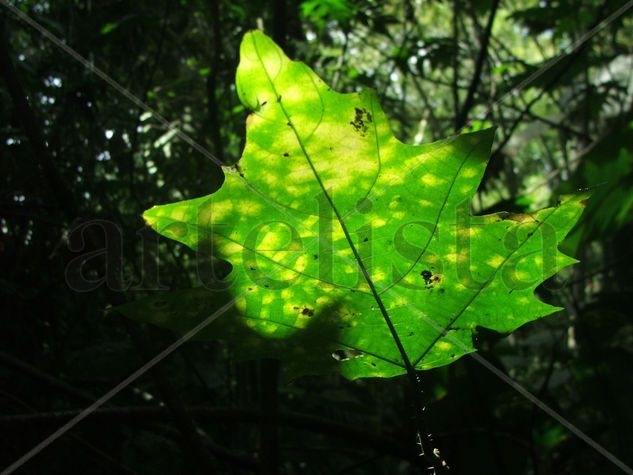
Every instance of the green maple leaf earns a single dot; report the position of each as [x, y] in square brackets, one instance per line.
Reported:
[352, 251]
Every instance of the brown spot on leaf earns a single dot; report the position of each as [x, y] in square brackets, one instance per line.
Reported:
[361, 119]
[430, 280]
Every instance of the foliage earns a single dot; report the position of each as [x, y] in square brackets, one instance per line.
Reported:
[79, 162]
[332, 225]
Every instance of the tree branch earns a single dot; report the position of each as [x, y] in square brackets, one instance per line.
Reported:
[212, 81]
[51, 177]
[69, 207]
[384, 444]
[462, 117]
[19, 365]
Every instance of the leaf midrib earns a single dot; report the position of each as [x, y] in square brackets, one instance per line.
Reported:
[403, 354]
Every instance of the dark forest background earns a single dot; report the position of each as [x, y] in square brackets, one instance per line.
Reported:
[79, 162]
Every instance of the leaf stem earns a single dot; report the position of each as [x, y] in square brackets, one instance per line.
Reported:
[425, 441]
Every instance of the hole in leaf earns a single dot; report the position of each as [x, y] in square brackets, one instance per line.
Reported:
[344, 355]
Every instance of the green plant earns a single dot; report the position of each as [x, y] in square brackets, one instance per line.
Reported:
[351, 251]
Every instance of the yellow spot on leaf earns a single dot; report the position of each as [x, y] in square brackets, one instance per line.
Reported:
[496, 261]
[431, 180]
[469, 172]
[231, 248]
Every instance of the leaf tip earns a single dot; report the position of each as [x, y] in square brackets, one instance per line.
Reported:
[149, 219]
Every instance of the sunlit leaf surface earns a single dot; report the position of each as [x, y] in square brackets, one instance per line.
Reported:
[334, 227]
